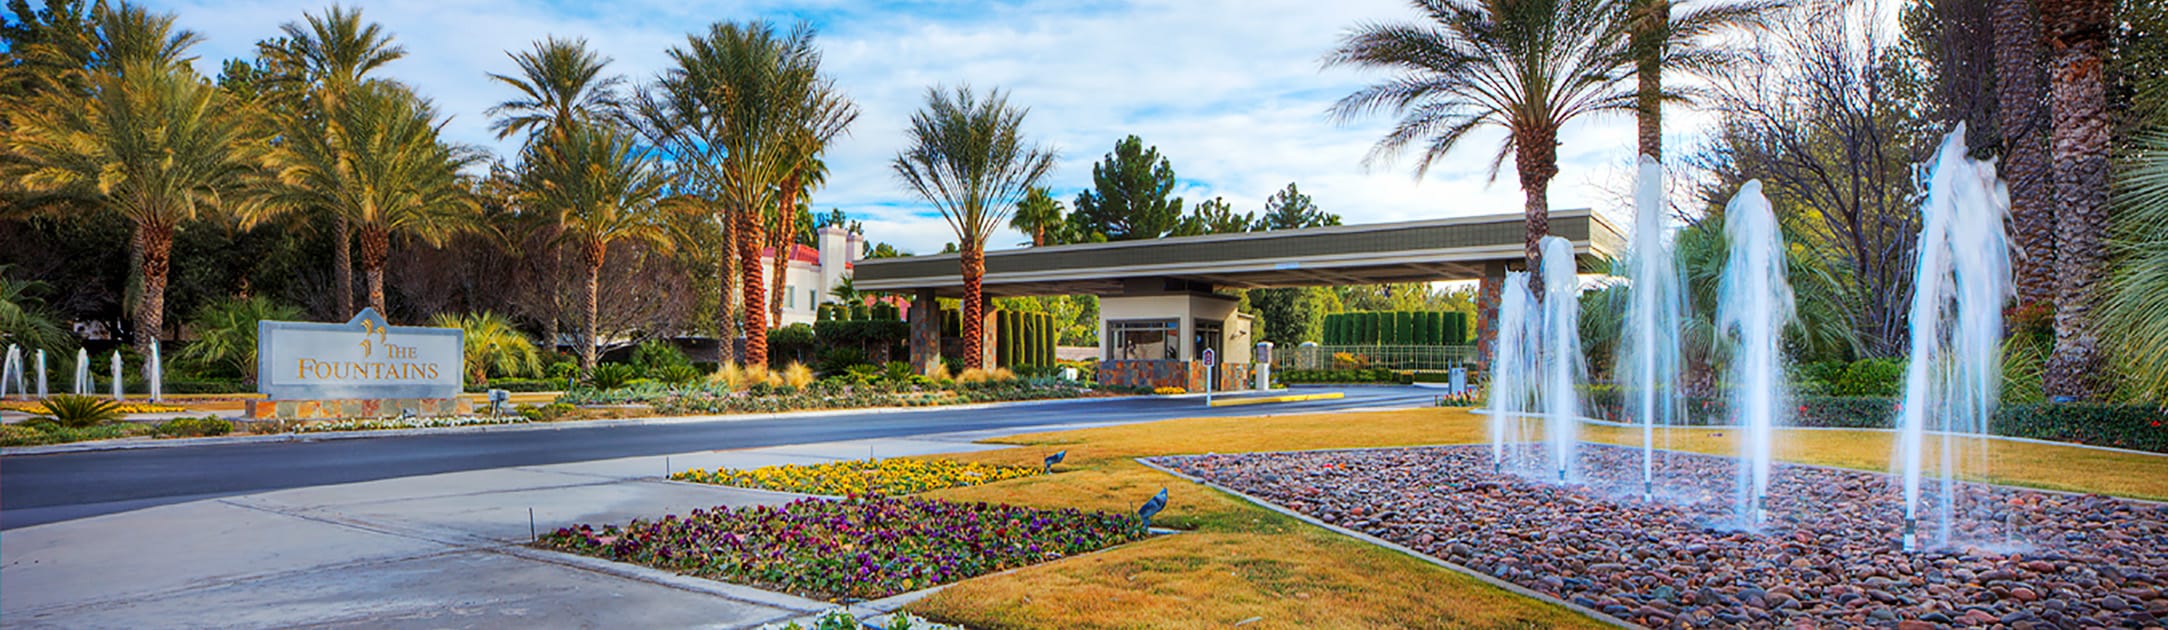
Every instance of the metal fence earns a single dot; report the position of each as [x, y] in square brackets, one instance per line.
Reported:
[1309, 357]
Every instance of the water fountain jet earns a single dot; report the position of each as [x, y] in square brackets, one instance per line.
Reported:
[1648, 360]
[1959, 285]
[1754, 305]
[1561, 348]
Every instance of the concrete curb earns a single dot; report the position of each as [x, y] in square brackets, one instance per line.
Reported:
[1484, 577]
[144, 443]
[660, 577]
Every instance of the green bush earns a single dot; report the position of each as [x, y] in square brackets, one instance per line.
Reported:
[791, 343]
[195, 427]
[76, 412]
[1871, 377]
[1818, 378]
[839, 360]
[546, 413]
[562, 370]
[675, 374]
[2137, 427]
[656, 354]
[897, 371]
[613, 375]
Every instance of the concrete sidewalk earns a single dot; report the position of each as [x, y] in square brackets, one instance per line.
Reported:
[431, 551]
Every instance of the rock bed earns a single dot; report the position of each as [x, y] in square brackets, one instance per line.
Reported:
[1826, 554]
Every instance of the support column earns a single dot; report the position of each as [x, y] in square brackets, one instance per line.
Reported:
[925, 318]
[1486, 313]
[990, 329]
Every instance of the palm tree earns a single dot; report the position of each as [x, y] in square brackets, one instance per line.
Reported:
[560, 81]
[1661, 39]
[24, 318]
[602, 187]
[2021, 115]
[378, 161]
[1038, 215]
[493, 344]
[785, 233]
[2135, 312]
[226, 333]
[968, 157]
[2082, 126]
[1525, 66]
[325, 58]
[744, 109]
[151, 140]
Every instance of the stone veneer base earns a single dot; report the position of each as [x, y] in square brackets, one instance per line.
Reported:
[356, 408]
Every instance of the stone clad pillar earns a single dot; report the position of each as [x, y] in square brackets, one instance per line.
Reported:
[1486, 313]
[990, 326]
[925, 318]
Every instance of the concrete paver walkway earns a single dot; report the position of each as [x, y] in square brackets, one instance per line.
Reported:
[430, 551]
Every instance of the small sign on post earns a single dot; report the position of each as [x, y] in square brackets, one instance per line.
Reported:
[1211, 360]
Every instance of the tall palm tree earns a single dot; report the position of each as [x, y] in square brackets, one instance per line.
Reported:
[324, 58]
[559, 81]
[2021, 115]
[967, 156]
[746, 107]
[2079, 30]
[1525, 66]
[376, 159]
[1661, 39]
[150, 140]
[1038, 215]
[602, 187]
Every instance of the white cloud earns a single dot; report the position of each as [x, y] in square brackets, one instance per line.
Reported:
[1229, 90]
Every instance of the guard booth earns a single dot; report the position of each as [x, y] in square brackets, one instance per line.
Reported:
[1161, 302]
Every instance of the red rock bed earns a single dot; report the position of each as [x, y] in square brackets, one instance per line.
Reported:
[1826, 556]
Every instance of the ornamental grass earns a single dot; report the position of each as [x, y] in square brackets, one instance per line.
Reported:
[856, 548]
[888, 477]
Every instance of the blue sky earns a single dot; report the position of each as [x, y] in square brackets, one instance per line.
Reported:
[1229, 90]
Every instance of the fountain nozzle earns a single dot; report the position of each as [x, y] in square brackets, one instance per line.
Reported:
[1911, 539]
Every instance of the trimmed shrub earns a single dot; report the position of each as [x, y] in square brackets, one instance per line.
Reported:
[613, 375]
[2138, 427]
[1366, 375]
[1871, 377]
[195, 427]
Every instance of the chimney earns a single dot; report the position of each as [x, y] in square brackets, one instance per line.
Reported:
[835, 255]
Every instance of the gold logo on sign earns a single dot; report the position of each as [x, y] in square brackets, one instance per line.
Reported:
[369, 327]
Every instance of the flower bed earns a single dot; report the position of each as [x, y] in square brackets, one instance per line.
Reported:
[852, 549]
[125, 408]
[828, 394]
[889, 477]
[373, 424]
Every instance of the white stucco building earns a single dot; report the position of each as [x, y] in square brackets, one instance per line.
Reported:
[812, 271]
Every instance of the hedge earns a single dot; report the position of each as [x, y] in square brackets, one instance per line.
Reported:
[1396, 328]
[2136, 427]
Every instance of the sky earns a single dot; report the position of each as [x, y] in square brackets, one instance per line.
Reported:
[1231, 91]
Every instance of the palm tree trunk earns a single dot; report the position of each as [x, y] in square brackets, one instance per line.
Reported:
[1652, 18]
[375, 249]
[726, 325]
[756, 302]
[1535, 158]
[974, 307]
[155, 241]
[2020, 91]
[786, 216]
[342, 265]
[590, 330]
[2080, 138]
[1038, 236]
